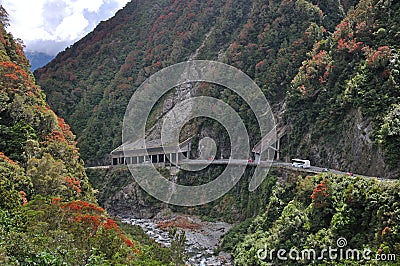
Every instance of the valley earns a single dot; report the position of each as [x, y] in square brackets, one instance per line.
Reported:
[85, 136]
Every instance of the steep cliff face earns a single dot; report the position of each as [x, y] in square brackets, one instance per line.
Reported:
[121, 195]
[352, 148]
[305, 55]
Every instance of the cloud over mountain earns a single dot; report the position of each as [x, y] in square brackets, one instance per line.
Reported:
[49, 26]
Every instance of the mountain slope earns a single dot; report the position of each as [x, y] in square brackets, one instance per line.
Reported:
[48, 211]
[320, 212]
[93, 78]
[272, 41]
[31, 133]
[91, 83]
[38, 59]
[348, 93]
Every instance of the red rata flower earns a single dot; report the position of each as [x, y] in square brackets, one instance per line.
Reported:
[74, 183]
[5, 158]
[320, 195]
[56, 201]
[110, 224]
[23, 197]
[385, 230]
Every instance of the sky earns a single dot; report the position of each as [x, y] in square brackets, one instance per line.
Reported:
[49, 26]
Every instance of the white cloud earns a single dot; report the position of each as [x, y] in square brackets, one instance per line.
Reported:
[56, 21]
[74, 21]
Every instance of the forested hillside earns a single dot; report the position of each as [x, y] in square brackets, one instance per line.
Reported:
[91, 83]
[315, 212]
[343, 104]
[48, 212]
[329, 68]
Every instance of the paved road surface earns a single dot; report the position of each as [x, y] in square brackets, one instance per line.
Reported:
[311, 169]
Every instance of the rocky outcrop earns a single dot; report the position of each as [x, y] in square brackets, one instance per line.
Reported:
[350, 149]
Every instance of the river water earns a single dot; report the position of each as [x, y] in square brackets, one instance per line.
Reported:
[200, 241]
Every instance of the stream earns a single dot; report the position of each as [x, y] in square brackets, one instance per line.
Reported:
[202, 238]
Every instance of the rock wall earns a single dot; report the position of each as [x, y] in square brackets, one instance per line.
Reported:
[350, 148]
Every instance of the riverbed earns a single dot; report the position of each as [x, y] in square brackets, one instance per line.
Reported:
[202, 237]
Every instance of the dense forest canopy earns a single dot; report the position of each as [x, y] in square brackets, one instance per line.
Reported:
[48, 211]
[329, 69]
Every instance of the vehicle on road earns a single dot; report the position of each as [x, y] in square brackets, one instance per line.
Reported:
[300, 163]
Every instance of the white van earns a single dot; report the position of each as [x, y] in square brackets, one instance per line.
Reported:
[300, 163]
